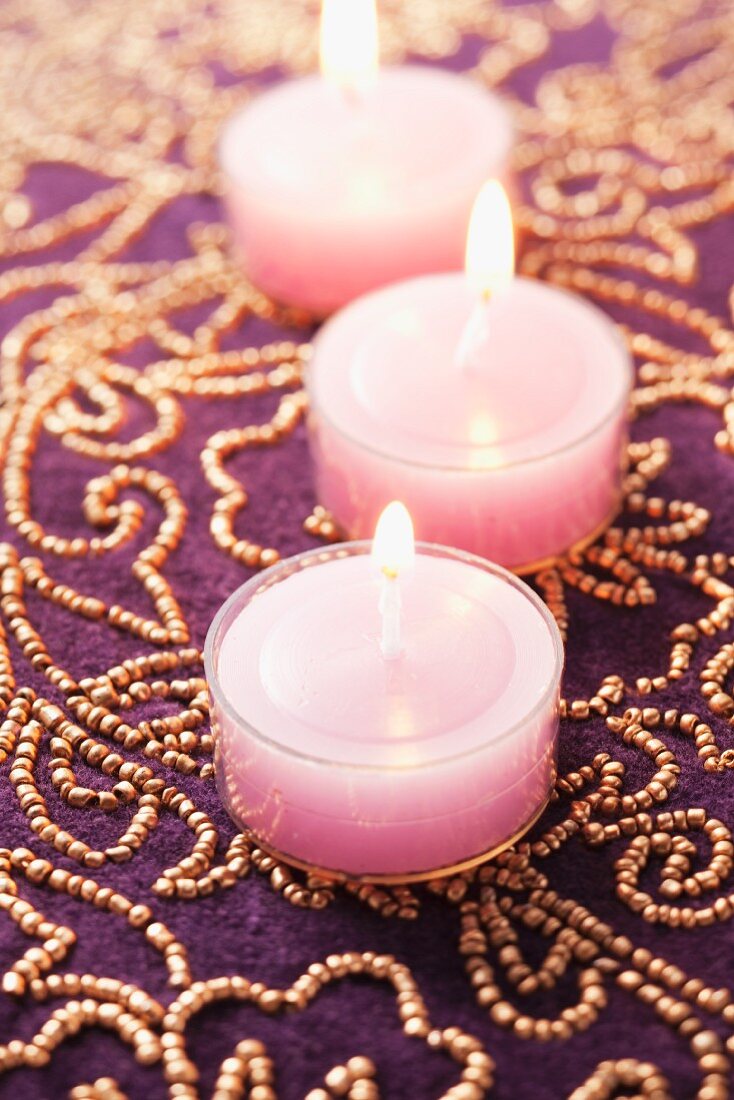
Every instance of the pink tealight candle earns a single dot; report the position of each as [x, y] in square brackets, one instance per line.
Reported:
[495, 407]
[384, 710]
[345, 181]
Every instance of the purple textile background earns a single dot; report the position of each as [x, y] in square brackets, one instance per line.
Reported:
[250, 929]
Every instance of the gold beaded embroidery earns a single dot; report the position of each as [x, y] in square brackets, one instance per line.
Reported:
[623, 163]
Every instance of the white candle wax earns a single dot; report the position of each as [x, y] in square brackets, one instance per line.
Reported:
[344, 760]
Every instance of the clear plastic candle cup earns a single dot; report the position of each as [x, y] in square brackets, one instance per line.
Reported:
[494, 406]
[345, 181]
[381, 713]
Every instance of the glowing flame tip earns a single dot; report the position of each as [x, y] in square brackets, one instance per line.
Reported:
[490, 242]
[349, 45]
[393, 547]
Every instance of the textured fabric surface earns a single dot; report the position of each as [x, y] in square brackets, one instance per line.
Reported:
[251, 929]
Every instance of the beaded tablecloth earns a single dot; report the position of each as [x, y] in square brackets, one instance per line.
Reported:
[154, 454]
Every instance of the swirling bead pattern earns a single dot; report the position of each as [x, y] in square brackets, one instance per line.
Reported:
[111, 351]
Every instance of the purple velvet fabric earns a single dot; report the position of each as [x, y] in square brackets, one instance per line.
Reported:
[250, 929]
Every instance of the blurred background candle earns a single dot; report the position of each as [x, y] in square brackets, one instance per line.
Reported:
[345, 181]
[345, 754]
[494, 406]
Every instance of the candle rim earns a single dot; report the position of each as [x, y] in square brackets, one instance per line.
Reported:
[473, 449]
[425, 194]
[362, 547]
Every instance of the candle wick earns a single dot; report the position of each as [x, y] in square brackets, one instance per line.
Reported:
[353, 95]
[472, 348]
[390, 610]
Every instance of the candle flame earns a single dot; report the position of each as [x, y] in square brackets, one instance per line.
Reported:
[490, 243]
[393, 547]
[349, 46]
